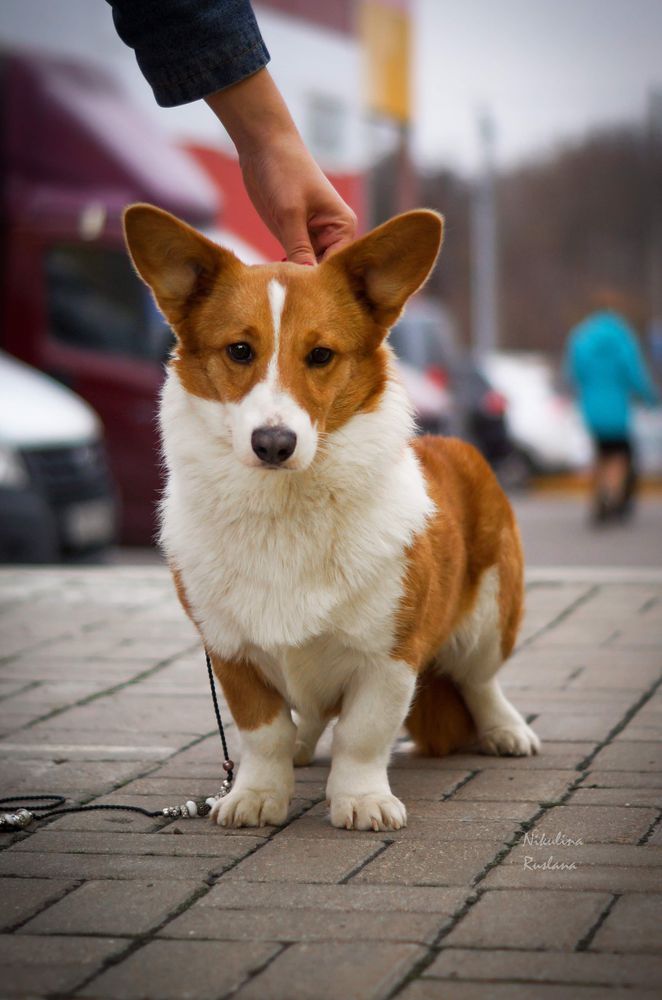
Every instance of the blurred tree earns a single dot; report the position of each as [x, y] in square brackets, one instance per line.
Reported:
[571, 225]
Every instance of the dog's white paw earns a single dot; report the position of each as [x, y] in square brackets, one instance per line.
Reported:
[368, 812]
[250, 807]
[517, 740]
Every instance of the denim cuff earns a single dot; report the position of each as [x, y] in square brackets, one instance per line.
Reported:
[208, 72]
[188, 49]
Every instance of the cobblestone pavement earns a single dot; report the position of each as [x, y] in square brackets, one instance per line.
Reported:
[535, 878]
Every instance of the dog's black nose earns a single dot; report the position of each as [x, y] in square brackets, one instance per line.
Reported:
[273, 445]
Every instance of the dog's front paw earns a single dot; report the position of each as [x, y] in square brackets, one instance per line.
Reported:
[368, 812]
[251, 807]
[517, 740]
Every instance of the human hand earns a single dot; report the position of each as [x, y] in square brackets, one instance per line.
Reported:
[295, 200]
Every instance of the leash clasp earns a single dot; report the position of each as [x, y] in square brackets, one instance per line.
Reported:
[17, 820]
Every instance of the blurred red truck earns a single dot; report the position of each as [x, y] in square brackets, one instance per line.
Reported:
[74, 153]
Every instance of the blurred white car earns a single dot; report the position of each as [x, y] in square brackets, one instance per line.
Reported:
[648, 439]
[432, 402]
[545, 425]
[57, 497]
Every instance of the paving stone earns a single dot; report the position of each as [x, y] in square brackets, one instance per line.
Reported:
[127, 712]
[638, 676]
[13, 722]
[433, 989]
[45, 740]
[633, 925]
[611, 703]
[121, 909]
[621, 855]
[211, 844]
[655, 839]
[629, 797]
[574, 726]
[75, 779]
[106, 822]
[305, 860]
[284, 924]
[422, 863]
[21, 897]
[555, 756]
[347, 898]
[52, 694]
[102, 866]
[641, 633]
[172, 790]
[546, 967]
[646, 724]
[425, 784]
[635, 756]
[597, 824]
[32, 966]
[575, 634]
[181, 970]
[623, 779]
[531, 919]
[329, 971]
[539, 786]
[591, 878]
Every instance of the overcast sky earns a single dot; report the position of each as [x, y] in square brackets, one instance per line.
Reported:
[547, 70]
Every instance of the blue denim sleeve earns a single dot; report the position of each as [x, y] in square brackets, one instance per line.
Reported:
[188, 49]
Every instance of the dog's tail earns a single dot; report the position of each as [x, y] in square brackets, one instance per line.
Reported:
[439, 721]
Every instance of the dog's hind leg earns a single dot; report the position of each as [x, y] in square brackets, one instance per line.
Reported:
[309, 730]
[483, 643]
[501, 728]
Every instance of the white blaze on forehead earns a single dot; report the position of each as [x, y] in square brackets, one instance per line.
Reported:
[266, 405]
[276, 294]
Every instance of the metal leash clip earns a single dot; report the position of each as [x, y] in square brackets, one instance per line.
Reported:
[202, 807]
[17, 820]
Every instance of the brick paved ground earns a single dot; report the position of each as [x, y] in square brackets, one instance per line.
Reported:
[103, 696]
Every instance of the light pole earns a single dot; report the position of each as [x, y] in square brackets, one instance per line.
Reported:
[484, 300]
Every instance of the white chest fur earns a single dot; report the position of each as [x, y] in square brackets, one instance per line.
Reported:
[301, 570]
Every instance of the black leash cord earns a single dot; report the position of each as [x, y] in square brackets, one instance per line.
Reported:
[228, 765]
[24, 810]
[17, 803]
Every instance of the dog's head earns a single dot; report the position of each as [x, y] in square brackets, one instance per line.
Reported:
[288, 353]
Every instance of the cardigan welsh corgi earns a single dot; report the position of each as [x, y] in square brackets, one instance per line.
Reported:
[336, 566]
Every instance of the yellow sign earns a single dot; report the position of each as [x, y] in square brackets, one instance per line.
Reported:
[386, 36]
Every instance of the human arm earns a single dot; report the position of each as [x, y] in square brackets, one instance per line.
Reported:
[290, 192]
[639, 379]
[212, 49]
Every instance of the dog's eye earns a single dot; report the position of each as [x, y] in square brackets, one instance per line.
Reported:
[319, 356]
[241, 353]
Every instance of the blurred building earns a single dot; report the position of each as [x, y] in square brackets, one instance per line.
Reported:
[317, 61]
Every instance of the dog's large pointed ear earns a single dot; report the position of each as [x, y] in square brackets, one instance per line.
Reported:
[389, 264]
[176, 261]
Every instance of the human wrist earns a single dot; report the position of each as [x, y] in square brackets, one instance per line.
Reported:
[253, 113]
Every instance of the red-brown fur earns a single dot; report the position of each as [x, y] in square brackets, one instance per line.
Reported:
[472, 530]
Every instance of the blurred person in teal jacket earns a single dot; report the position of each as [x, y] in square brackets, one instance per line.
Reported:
[604, 363]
